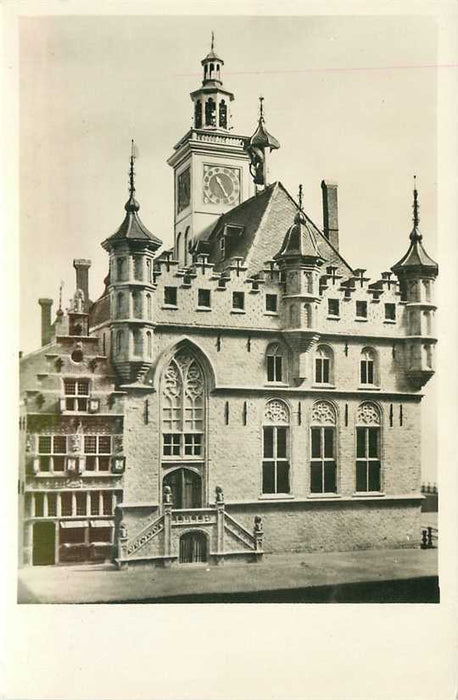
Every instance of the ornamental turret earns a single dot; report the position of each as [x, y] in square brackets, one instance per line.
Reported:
[417, 273]
[211, 101]
[300, 260]
[131, 288]
[259, 146]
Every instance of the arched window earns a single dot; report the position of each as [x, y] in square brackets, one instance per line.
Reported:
[323, 466]
[368, 366]
[137, 304]
[120, 269]
[212, 67]
[138, 268]
[276, 363]
[120, 342]
[198, 113]
[223, 114]
[275, 463]
[308, 315]
[186, 247]
[148, 270]
[149, 307]
[183, 408]
[324, 365]
[149, 344]
[368, 448]
[179, 250]
[138, 341]
[210, 112]
[121, 305]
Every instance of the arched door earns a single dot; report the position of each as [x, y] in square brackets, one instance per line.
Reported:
[186, 488]
[193, 548]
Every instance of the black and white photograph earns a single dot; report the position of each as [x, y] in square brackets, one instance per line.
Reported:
[229, 313]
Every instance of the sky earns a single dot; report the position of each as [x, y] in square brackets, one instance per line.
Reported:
[350, 98]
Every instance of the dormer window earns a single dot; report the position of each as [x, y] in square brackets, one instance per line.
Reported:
[76, 394]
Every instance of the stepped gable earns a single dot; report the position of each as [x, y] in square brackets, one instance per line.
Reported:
[265, 218]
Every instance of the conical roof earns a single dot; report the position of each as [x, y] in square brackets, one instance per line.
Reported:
[300, 241]
[416, 259]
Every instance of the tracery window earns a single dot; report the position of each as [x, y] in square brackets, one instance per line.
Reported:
[275, 363]
[275, 463]
[183, 412]
[368, 366]
[323, 465]
[323, 365]
[368, 438]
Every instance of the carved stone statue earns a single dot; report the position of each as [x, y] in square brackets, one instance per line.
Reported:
[258, 525]
[167, 495]
[122, 530]
[256, 156]
[78, 301]
[219, 496]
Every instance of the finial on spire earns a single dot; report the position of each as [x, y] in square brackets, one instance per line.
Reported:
[415, 206]
[133, 155]
[261, 108]
[300, 197]
[60, 294]
[213, 41]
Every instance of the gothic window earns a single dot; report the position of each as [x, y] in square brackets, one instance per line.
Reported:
[183, 408]
[323, 365]
[138, 341]
[198, 113]
[223, 114]
[368, 465]
[120, 341]
[149, 307]
[368, 367]
[275, 463]
[149, 344]
[210, 112]
[138, 268]
[137, 304]
[276, 363]
[323, 466]
[120, 269]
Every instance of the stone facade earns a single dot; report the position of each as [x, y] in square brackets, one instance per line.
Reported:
[246, 392]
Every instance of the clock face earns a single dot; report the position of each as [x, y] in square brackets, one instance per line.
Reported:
[221, 185]
[183, 190]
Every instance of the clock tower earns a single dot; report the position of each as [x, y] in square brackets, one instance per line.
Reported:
[211, 166]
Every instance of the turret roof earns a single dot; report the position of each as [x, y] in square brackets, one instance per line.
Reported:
[300, 241]
[416, 259]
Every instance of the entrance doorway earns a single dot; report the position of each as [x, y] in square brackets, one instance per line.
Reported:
[44, 544]
[186, 488]
[193, 548]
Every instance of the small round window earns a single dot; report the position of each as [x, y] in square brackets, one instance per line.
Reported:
[77, 355]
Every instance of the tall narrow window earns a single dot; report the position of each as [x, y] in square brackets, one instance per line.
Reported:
[183, 408]
[323, 467]
[223, 114]
[186, 247]
[198, 113]
[368, 465]
[149, 307]
[120, 269]
[138, 341]
[276, 370]
[323, 365]
[122, 305]
[275, 463]
[210, 112]
[149, 344]
[137, 304]
[148, 270]
[120, 341]
[368, 366]
[138, 268]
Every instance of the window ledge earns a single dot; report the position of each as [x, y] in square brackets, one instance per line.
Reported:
[169, 307]
[276, 497]
[390, 321]
[318, 496]
[361, 319]
[368, 387]
[238, 311]
[368, 494]
[203, 308]
[323, 385]
[330, 317]
[271, 313]
[285, 384]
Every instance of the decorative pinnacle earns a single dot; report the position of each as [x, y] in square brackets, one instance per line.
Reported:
[300, 197]
[416, 206]
[133, 155]
[60, 294]
[261, 108]
[213, 41]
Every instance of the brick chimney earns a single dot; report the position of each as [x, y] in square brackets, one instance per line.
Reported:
[330, 215]
[46, 330]
[82, 279]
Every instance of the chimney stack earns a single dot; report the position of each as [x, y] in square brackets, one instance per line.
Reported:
[46, 330]
[82, 279]
[330, 215]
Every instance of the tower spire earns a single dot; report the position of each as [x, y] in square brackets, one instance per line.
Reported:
[415, 206]
[261, 108]
[213, 41]
[132, 204]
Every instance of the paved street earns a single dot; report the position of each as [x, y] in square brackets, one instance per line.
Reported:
[285, 577]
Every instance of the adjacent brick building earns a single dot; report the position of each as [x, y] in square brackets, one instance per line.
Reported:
[246, 391]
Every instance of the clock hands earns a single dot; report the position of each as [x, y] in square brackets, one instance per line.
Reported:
[218, 180]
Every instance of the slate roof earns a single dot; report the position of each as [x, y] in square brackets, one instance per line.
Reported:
[266, 218]
[132, 228]
[300, 240]
[416, 258]
[99, 311]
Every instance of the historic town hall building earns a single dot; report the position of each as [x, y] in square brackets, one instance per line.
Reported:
[247, 391]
